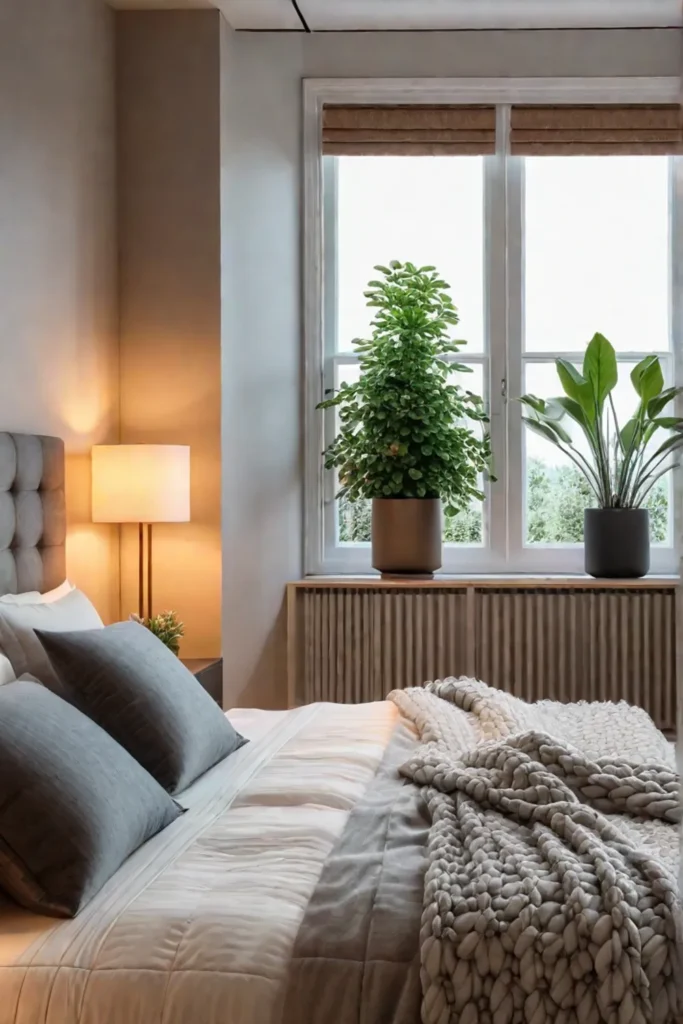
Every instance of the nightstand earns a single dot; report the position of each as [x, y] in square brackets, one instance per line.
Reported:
[209, 672]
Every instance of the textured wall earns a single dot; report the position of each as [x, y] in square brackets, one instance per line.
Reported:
[58, 350]
[169, 244]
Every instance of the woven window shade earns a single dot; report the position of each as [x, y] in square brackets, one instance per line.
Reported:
[596, 130]
[408, 130]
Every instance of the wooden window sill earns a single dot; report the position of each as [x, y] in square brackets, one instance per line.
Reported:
[508, 580]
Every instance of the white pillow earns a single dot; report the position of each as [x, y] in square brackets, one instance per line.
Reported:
[29, 597]
[6, 671]
[35, 597]
[19, 643]
[59, 592]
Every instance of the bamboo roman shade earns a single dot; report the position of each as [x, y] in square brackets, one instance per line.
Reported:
[409, 130]
[596, 130]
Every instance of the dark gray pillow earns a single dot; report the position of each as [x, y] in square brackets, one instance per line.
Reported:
[128, 682]
[73, 803]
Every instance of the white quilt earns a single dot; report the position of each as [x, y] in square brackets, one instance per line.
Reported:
[197, 927]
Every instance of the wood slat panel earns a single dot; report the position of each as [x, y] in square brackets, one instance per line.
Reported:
[573, 645]
[355, 644]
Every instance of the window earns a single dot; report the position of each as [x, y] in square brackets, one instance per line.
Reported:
[596, 256]
[542, 249]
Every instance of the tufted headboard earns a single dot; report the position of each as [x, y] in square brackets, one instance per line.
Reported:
[32, 513]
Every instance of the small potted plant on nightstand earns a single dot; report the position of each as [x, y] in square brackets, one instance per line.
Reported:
[621, 464]
[405, 440]
[167, 627]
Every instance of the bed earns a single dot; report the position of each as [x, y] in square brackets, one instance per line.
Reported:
[311, 880]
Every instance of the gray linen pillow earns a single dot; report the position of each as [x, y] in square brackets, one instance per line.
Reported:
[73, 803]
[128, 682]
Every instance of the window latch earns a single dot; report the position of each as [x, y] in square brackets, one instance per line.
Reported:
[504, 389]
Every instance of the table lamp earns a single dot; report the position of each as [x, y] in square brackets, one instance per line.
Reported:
[143, 484]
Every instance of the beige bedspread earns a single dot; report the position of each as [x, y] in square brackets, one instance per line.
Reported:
[199, 926]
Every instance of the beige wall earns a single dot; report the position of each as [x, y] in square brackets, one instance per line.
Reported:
[262, 336]
[58, 372]
[262, 360]
[516, 54]
[169, 269]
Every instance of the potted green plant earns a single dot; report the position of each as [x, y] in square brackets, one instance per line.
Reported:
[167, 627]
[404, 440]
[623, 463]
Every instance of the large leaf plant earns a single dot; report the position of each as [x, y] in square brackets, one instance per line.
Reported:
[404, 424]
[624, 462]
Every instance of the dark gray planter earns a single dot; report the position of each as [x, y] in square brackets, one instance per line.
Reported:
[406, 536]
[617, 542]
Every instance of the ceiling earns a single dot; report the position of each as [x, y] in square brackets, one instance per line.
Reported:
[431, 15]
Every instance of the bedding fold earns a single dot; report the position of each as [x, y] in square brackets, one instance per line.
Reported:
[356, 955]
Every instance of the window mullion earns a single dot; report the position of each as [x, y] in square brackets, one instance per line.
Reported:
[676, 327]
[326, 499]
[496, 330]
[515, 345]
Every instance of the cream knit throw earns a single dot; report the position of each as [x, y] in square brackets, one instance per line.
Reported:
[551, 889]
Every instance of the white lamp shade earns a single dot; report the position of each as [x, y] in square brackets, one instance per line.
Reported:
[141, 483]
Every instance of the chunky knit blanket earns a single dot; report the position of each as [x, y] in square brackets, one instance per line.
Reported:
[551, 889]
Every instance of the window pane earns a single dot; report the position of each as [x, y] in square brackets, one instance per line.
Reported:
[556, 491]
[354, 518]
[597, 252]
[423, 210]
[468, 526]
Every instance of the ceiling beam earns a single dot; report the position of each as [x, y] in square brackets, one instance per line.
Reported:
[300, 16]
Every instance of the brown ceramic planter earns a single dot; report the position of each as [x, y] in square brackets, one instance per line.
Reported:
[406, 536]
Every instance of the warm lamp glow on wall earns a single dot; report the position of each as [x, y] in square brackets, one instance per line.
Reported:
[143, 484]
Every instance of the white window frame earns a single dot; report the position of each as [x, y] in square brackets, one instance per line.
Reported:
[505, 552]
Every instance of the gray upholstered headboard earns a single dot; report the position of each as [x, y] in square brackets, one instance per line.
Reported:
[32, 513]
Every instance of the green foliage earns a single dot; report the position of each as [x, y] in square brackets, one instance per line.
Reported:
[167, 627]
[623, 469]
[556, 499]
[404, 431]
[355, 520]
[465, 528]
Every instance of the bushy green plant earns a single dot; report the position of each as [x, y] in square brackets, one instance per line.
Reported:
[404, 430]
[622, 469]
[167, 627]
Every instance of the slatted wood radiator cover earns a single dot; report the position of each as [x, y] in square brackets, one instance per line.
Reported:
[353, 640]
